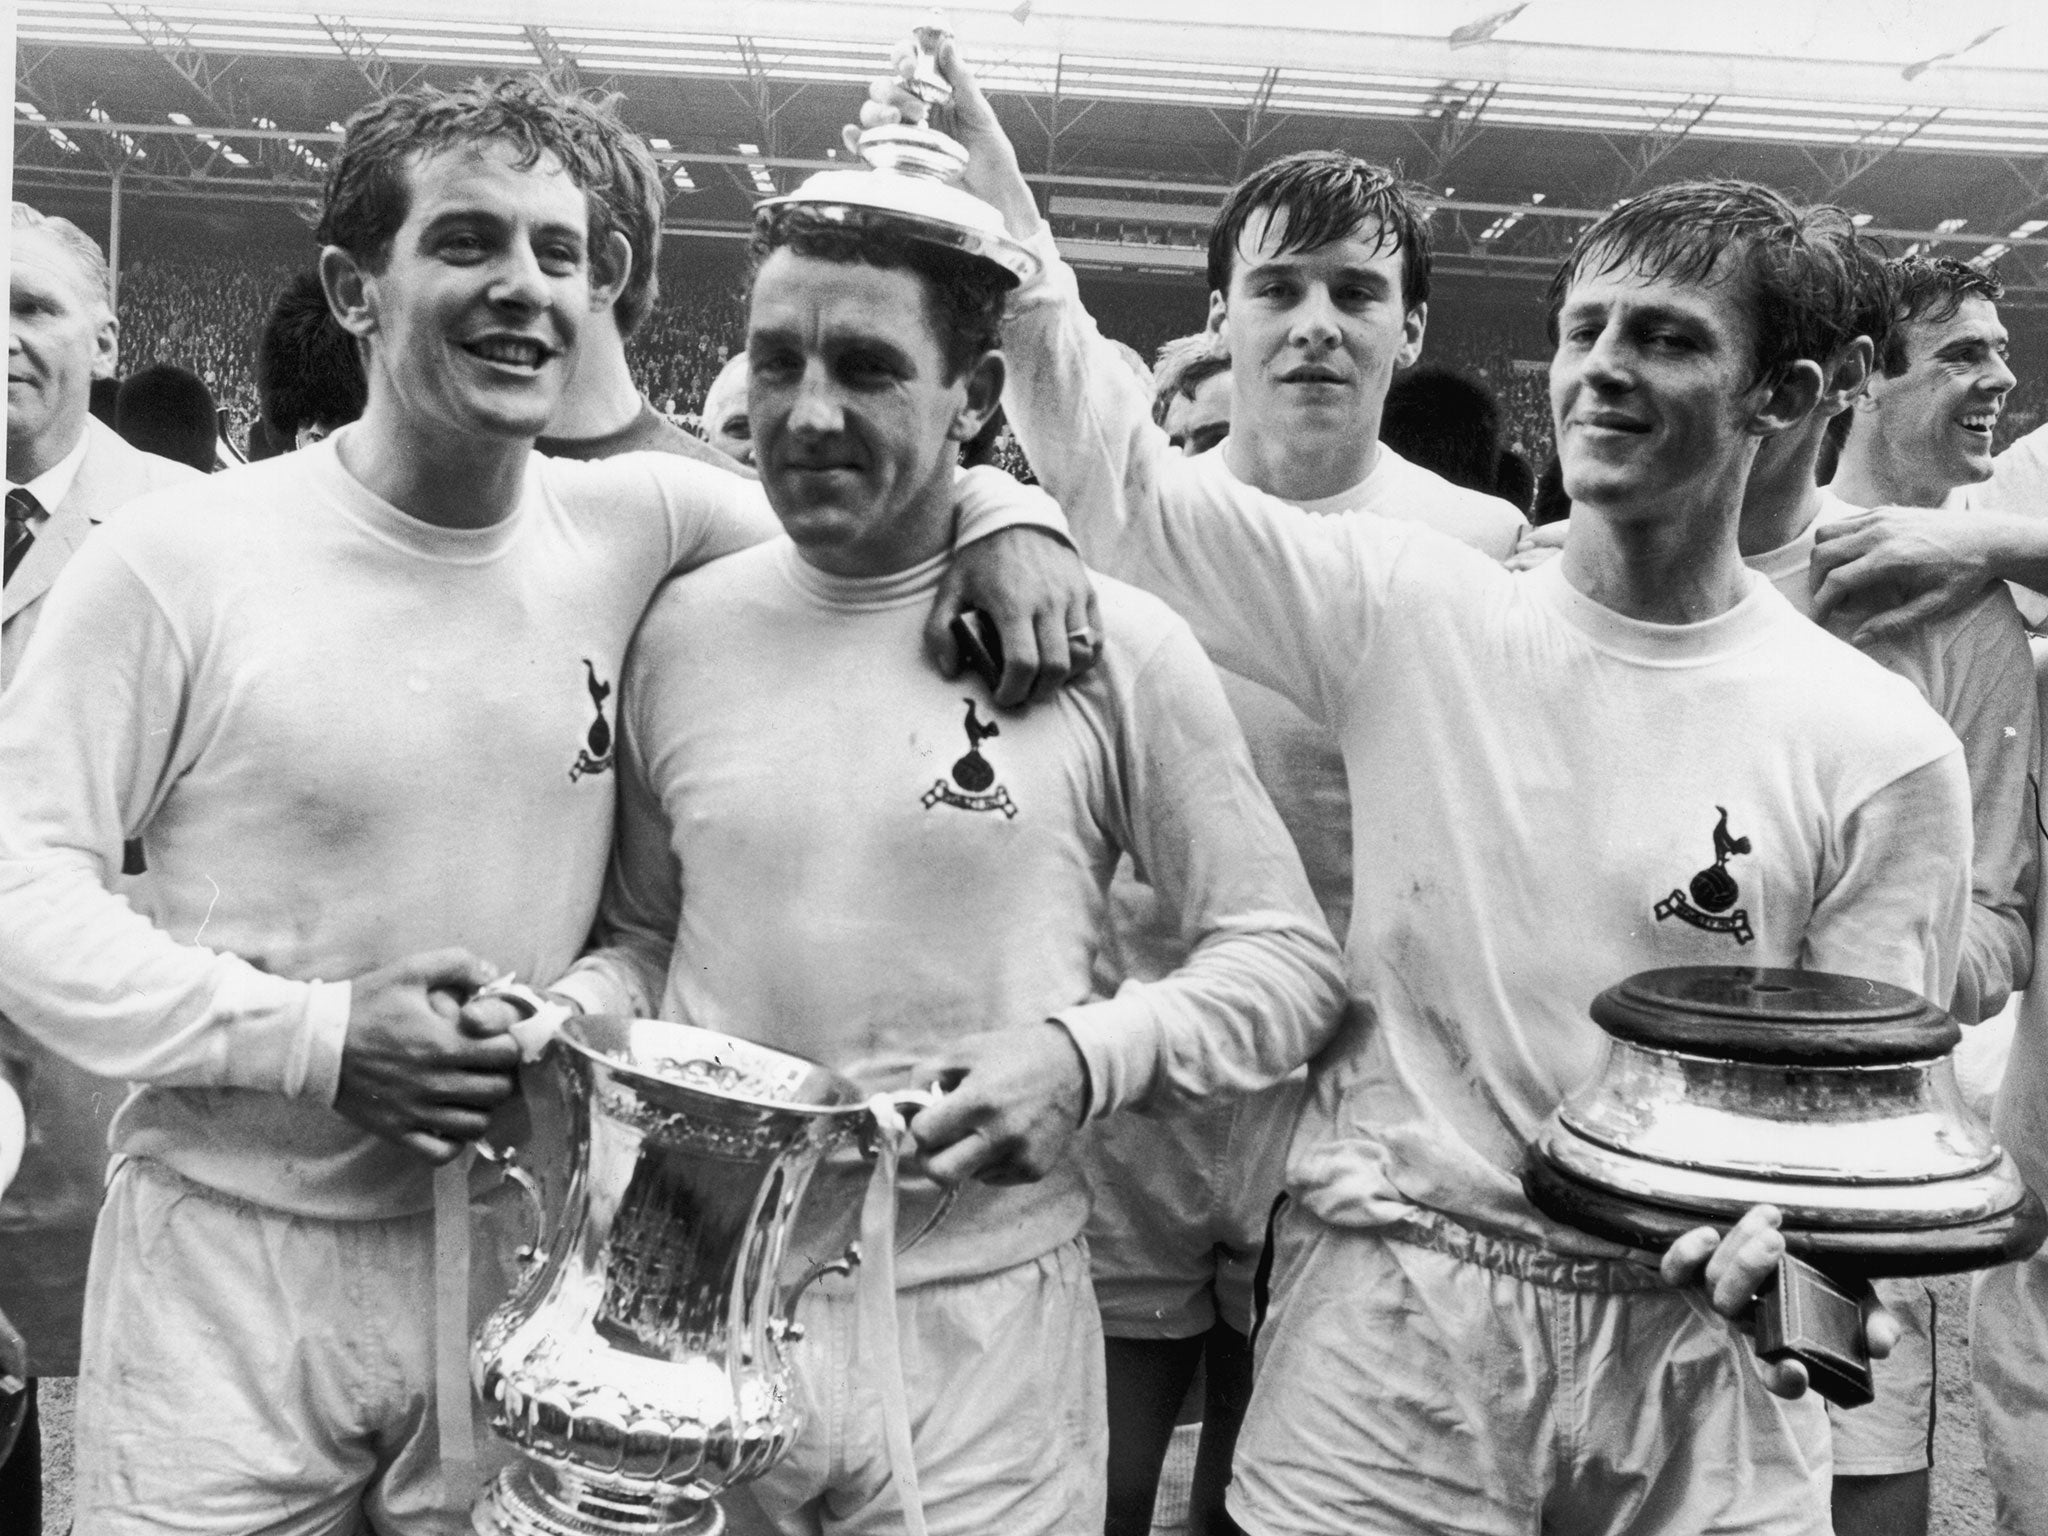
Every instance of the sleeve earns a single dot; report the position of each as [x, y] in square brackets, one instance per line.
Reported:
[990, 501]
[91, 732]
[626, 969]
[1262, 987]
[1991, 708]
[1895, 908]
[1274, 593]
[2019, 477]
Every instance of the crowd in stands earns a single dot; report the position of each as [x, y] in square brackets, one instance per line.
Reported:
[203, 314]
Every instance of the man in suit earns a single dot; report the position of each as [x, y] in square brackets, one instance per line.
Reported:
[65, 471]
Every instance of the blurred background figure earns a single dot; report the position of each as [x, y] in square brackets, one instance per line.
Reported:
[309, 376]
[168, 411]
[1191, 393]
[723, 420]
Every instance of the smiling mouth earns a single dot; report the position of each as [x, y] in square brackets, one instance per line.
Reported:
[1612, 424]
[1979, 421]
[511, 351]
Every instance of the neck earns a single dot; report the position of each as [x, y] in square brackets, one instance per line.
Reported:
[1300, 466]
[1870, 475]
[471, 482]
[1674, 564]
[1781, 500]
[600, 397]
[30, 457]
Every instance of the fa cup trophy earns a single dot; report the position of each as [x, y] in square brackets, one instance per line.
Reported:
[639, 1368]
[1830, 1097]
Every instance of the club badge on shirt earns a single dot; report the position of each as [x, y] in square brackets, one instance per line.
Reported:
[975, 779]
[596, 756]
[1714, 891]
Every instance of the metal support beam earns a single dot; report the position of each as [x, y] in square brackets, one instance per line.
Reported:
[1640, 156]
[379, 73]
[555, 60]
[1258, 125]
[207, 76]
[1454, 127]
[1843, 168]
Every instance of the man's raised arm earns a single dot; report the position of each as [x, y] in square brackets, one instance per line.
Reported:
[1264, 584]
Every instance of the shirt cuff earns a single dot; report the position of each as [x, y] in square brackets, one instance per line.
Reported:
[593, 990]
[1118, 1042]
[327, 1005]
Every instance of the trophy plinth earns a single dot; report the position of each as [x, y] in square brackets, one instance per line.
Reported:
[1829, 1097]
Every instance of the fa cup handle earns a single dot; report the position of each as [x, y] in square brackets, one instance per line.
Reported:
[528, 1253]
[906, 1102]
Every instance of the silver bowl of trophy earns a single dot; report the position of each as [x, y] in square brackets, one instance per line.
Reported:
[640, 1366]
[1830, 1097]
[911, 185]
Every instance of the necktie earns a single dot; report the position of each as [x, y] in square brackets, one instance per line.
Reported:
[22, 510]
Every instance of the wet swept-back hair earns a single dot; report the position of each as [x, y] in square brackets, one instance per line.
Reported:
[964, 294]
[1320, 196]
[368, 189]
[1929, 288]
[1803, 273]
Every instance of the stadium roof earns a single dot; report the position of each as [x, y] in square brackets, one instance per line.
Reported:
[1529, 118]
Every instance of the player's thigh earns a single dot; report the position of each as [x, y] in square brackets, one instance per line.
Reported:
[1397, 1390]
[1894, 1431]
[2009, 1379]
[1004, 1374]
[210, 1398]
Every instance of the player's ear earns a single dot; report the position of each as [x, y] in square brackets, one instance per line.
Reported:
[1789, 399]
[611, 266]
[1849, 376]
[984, 393]
[1219, 311]
[1413, 324]
[347, 286]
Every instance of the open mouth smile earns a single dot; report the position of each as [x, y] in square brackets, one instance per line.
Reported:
[525, 352]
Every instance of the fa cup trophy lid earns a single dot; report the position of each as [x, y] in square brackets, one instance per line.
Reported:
[912, 184]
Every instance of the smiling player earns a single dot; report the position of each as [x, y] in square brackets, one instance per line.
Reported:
[1537, 761]
[807, 857]
[357, 703]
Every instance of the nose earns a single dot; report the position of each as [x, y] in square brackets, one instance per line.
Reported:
[518, 282]
[814, 411]
[1315, 320]
[1999, 379]
[1605, 365]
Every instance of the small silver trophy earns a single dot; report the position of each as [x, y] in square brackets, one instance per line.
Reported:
[912, 183]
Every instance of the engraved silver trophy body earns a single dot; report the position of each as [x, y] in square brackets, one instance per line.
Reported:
[640, 1368]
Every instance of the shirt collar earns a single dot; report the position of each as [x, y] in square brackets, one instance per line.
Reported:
[54, 484]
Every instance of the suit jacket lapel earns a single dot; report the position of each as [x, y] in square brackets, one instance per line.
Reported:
[61, 534]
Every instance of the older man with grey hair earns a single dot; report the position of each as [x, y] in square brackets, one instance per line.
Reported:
[65, 471]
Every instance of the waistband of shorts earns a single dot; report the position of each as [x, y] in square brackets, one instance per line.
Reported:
[1520, 1259]
[163, 1172]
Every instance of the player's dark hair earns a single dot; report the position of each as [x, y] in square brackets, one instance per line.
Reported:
[308, 371]
[635, 201]
[1931, 288]
[369, 191]
[964, 294]
[1794, 265]
[1445, 422]
[1322, 195]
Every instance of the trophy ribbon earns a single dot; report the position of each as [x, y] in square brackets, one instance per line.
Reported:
[875, 1303]
[451, 1330]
